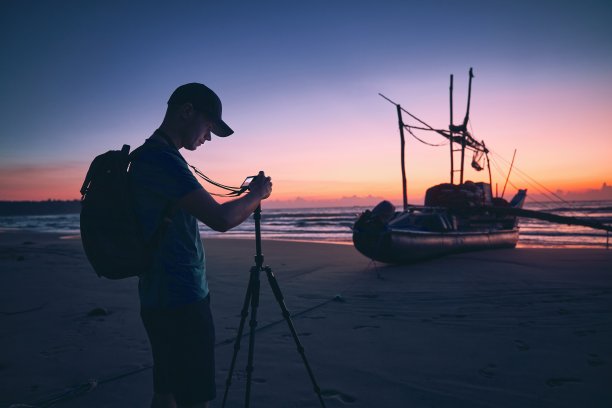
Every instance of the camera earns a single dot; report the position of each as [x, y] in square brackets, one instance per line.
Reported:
[247, 181]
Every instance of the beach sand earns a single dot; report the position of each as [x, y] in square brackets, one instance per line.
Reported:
[504, 328]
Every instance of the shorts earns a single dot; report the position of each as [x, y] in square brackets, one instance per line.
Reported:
[183, 344]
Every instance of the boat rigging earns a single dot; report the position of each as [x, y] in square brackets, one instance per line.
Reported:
[456, 217]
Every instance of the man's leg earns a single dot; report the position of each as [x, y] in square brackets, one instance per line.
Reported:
[194, 381]
[157, 326]
[200, 405]
[163, 401]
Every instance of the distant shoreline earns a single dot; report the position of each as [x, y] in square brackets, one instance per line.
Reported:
[55, 207]
[49, 207]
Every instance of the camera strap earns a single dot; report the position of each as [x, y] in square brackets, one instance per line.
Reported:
[233, 191]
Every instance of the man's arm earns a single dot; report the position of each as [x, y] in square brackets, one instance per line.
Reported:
[222, 217]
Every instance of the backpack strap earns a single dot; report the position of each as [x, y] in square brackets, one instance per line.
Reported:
[95, 164]
[166, 219]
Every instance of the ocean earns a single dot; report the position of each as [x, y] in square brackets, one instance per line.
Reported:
[333, 225]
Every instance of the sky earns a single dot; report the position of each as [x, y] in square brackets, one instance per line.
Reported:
[299, 83]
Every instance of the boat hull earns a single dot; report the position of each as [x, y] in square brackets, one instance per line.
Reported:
[403, 246]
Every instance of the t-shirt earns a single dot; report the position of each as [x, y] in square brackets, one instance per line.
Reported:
[177, 277]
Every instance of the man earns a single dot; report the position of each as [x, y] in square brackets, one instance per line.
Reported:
[174, 294]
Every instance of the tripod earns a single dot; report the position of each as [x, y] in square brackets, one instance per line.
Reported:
[252, 299]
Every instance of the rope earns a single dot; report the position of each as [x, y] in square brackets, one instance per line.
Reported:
[426, 129]
[503, 175]
[535, 181]
[408, 113]
[522, 173]
[470, 142]
[408, 128]
[544, 204]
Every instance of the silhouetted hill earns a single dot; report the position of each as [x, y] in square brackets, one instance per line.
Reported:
[48, 207]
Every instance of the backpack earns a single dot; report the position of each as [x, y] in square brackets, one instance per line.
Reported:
[110, 232]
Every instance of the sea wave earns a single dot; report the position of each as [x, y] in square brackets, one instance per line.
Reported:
[560, 234]
[334, 225]
[575, 209]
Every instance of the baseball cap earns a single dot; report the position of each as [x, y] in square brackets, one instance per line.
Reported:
[203, 100]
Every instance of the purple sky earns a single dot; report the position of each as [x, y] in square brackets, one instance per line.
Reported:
[299, 82]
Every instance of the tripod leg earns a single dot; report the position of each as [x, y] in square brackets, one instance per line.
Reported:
[243, 315]
[253, 326]
[281, 302]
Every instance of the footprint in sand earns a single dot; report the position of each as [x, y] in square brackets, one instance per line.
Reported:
[594, 360]
[342, 397]
[61, 349]
[239, 375]
[376, 316]
[521, 345]
[488, 371]
[367, 295]
[310, 297]
[583, 333]
[304, 334]
[98, 312]
[452, 316]
[560, 381]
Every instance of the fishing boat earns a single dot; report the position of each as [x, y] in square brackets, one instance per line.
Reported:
[458, 216]
[420, 232]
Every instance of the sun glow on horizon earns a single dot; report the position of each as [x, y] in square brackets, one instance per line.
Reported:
[40, 184]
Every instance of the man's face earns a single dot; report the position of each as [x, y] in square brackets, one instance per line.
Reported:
[197, 131]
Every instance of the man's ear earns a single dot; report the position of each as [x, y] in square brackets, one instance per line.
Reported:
[186, 110]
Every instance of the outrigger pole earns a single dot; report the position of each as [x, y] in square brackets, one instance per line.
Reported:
[520, 212]
[508, 176]
[489, 168]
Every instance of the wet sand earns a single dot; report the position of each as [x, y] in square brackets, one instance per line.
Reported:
[505, 328]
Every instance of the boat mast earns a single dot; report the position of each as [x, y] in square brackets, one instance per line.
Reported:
[403, 145]
[464, 125]
[461, 129]
[452, 168]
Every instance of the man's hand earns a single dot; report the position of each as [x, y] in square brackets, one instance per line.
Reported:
[261, 186]
[222, 217]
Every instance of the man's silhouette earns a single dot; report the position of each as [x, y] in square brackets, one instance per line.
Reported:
[174, 293]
